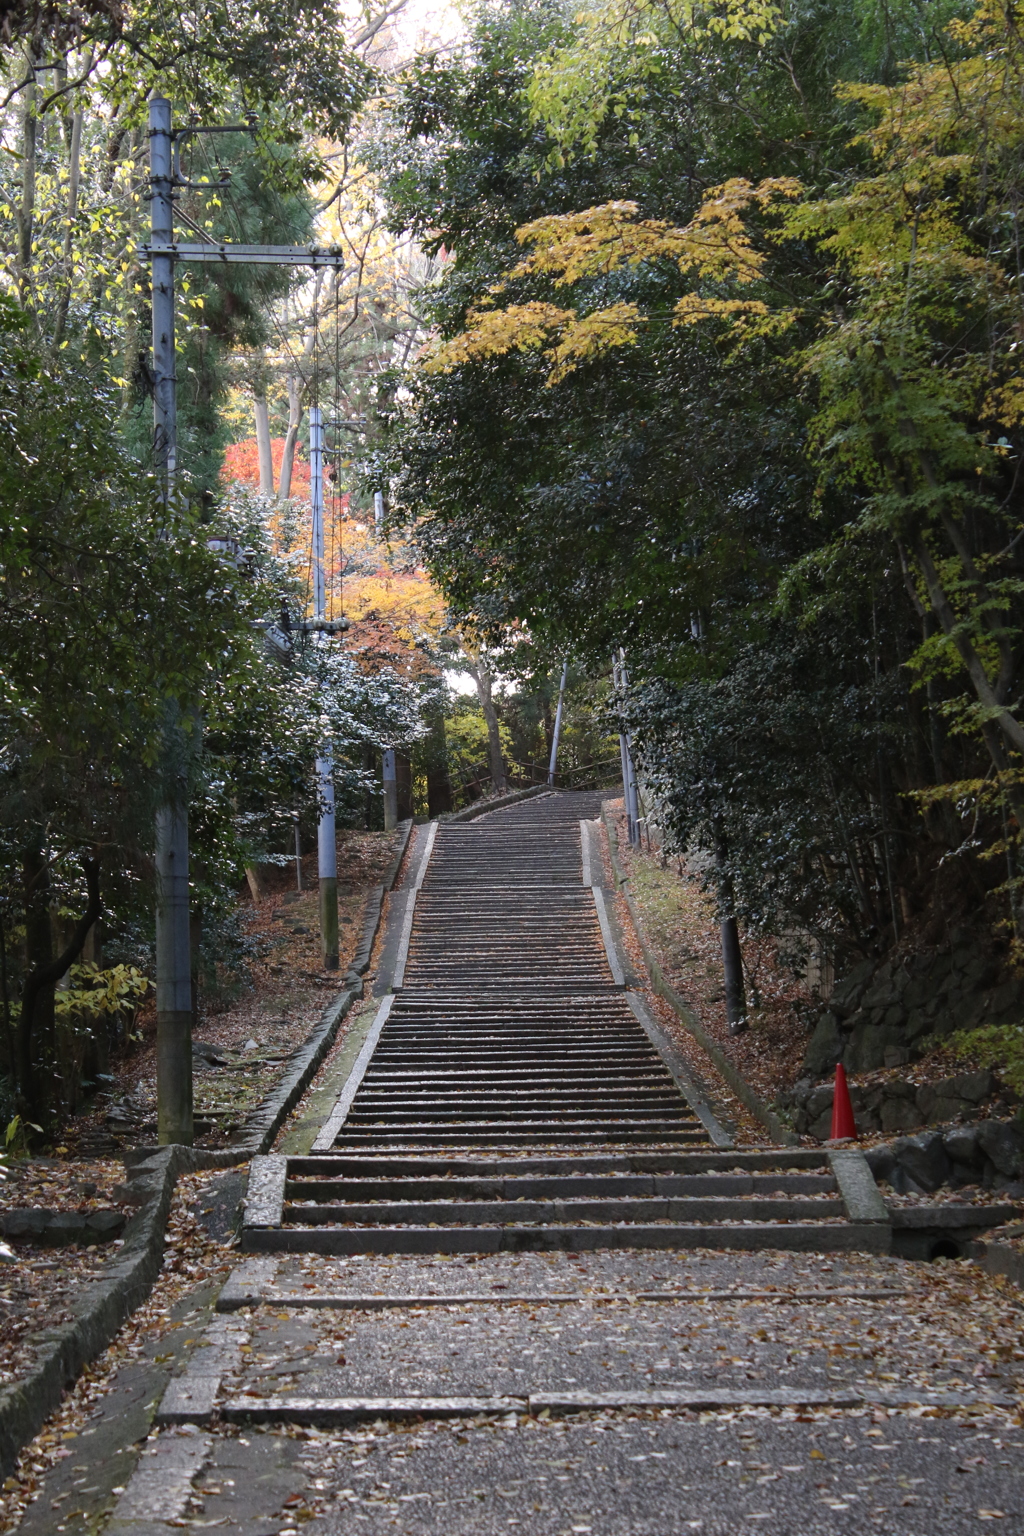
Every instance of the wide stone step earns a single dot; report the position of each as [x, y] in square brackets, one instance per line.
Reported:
[773, 1162]
[551, 1060]
[484, 1134]
[805, 1237]
[609, 1134]
[446, 1212]
[484, 1089]
[575, 1186]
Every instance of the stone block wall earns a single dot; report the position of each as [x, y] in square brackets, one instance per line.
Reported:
[989, 1153]
[890, 1106]
[882, 1014]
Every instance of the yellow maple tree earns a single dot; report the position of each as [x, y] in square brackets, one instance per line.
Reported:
[715, 247]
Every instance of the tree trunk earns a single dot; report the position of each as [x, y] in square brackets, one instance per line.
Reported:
[261, 413]
[403, 786]
[74, 177]
[7, 1052]
[732, 970]
[291, 437]
[34, 1046]
[732, 957]
[482, 678]
[26, 211]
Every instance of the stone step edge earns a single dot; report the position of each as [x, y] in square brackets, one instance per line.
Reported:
[807, 1237]
[237, 1294]
[196, 1403]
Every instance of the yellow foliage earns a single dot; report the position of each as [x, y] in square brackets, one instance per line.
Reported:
[491, 332]
[594, 333]
[570, 248]
[1005, 403]
[94, 993]
[715, 244]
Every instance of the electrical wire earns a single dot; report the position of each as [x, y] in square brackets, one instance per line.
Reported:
[334, 543]
[230, 206]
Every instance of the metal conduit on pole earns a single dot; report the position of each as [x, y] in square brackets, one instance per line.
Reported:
[327, 846]
[556, 733]
[173, 943]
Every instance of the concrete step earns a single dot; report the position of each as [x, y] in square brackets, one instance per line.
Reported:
[770, 1163]
[810, 1236]
[570, 1212]
[576, 1186]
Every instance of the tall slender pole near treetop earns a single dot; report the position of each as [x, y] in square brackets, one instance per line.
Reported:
[173, 944]
[389, 774]
[327, 846]
[556, 733]
[629, 788]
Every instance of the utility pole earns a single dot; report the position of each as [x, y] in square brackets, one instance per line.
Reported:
[173, 942]
[390, 777]
[327, 845]
[629, 789]
[558, 725]
[173, 945]
[298, 852]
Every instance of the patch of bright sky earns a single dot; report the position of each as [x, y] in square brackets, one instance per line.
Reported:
[428, 23]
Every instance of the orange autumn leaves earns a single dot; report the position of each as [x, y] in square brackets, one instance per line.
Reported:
[394, 610]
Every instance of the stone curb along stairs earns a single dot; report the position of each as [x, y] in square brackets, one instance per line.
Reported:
[103, 1306]
[740, 1087]
[152, 1172]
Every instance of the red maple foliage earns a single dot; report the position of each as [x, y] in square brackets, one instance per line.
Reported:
[241, 463]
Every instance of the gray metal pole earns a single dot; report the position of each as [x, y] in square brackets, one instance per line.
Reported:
[390, 776]
[326, 842]
[622, 740]
[558, 725]
[173, 943]
[629, 789]
[165, 414]
[632, 797]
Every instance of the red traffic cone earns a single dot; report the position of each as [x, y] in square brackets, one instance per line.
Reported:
[843, 1125]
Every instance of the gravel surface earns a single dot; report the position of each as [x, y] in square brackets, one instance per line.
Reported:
[950, 1330]
[640, 1475]
[626, 1270]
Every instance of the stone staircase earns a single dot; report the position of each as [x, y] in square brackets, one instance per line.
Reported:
[512, 1093]
[352, 1204]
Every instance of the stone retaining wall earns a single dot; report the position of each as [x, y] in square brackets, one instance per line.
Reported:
[882, 1015]
[893, 1105]
[989, 1153]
